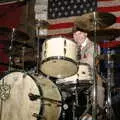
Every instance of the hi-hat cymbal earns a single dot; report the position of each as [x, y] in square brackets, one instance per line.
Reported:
[87, 21]
[104, 34]
[16, 34]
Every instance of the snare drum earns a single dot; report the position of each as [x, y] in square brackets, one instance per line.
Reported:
[83, 77]
[26, 97]
[59, 57]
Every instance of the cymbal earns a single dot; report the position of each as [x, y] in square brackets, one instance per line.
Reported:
[19, 52]
[104, 34]
[17, 35]
[16, 44]
[87, 21]
[112, 57]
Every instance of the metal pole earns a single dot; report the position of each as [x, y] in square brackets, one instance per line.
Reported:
[94, 103]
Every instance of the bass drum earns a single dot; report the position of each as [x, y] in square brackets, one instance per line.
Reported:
[28, 97]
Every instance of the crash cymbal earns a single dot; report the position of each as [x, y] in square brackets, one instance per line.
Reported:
[17, 35]
[104, 34]
[19, 52]
[103, 20]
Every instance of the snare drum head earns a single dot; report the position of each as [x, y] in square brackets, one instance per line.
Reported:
[15, 102]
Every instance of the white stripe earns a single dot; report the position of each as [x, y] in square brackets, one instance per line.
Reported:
[117, 14]
[115, 26]
[60, 31]
[63, 20]
[108, 3]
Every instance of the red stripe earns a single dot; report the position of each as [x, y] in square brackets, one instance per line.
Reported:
[70, 36]
[118, 20]
[110, 44]
[61, 25]
[104, 0]
[109, 9]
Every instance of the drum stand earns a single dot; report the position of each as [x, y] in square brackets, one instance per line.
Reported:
[110, 84]
[94, 103]
[75, 103]
[10, 50]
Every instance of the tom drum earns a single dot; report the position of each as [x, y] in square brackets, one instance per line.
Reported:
[59, 57]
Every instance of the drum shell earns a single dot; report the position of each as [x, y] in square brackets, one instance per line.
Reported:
[60, 47]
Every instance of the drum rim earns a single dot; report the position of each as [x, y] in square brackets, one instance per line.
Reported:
[61, 37]
[33, 78]
[59, 58]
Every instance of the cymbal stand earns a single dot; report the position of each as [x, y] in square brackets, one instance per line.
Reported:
[110, 84]
[11, 48]
[23, 60]
[94, 102]
[75, 103]
[38, 48]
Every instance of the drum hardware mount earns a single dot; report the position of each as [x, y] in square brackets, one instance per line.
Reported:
[39, 117]
[110, 84]
[34, 97]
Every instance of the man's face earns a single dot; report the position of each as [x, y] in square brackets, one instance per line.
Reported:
[79, 37]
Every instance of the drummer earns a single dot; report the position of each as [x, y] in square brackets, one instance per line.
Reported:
[87, 56]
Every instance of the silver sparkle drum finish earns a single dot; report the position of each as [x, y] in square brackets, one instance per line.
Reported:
[59, 57]
[28, 97]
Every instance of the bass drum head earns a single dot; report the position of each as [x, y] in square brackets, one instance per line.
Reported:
[14, 96]
[16, 103]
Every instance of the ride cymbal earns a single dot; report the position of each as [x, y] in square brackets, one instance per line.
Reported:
[87, 21]
[112, 57]
[14, 34]
[104, 34]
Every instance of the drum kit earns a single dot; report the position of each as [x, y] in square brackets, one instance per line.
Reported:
[57, 86]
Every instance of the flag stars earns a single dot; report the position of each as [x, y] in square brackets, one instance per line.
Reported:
[59, 14]
[59, 3]
[72, 1]
[78, 12]
[78, 1]
[53, 15]
[75, 6]
[68, 7]
[66, 13]
[62, 8]
[72, 12]
[65, 2]
[56, 9]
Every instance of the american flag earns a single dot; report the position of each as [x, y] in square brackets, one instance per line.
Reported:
[62, 14]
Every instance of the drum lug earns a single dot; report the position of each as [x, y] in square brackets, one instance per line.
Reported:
[33, 97]
[41, 117]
